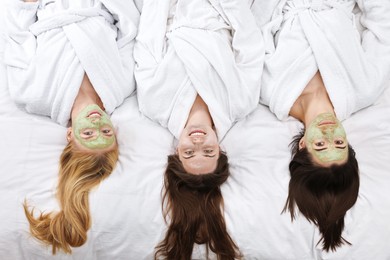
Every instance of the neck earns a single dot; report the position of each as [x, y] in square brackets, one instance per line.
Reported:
[86, 96]
[313, 101]
[199, 114]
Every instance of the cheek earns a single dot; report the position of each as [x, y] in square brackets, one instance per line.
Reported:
[313, 134]
[182, 141]
[340, 132]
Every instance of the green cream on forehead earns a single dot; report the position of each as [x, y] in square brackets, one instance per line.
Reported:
[82, 123]
[331, 154]
[327, 133]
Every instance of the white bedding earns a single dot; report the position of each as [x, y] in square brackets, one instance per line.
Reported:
[126, 208]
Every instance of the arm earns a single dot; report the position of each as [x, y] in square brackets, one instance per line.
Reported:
[20, 42]
[245, 64]
[247, 41]
[159, 73]
[126, 17]
[151, 38]
[376, 37]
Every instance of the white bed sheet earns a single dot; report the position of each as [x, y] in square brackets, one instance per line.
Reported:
[126, 208]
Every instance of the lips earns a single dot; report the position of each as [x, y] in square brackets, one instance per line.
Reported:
[326, 122]
[197, 132]
[94, 114]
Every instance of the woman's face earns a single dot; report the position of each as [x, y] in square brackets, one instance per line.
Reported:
[326, 140]
[92, 129]
[198, 149]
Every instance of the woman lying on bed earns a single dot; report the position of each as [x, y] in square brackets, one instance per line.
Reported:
[74, 64]
[198, 68]
[318, 70]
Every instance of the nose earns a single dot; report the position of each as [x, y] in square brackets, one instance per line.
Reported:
[197, 140]
[95, 119]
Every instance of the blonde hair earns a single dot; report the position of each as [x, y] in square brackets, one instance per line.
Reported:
[79, 172]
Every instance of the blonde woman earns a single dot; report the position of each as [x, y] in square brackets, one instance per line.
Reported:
[72, 61]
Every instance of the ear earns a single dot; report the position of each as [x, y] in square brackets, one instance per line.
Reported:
[301, 144]
[69, 134]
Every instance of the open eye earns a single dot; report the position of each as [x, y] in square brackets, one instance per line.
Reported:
[188, 152]
[208, 151]
[319, 144]
[88, 133]
[339, 142]
[106, 131]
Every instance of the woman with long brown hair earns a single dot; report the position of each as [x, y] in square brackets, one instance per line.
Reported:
[198, 69]
[60, 66]
[320, 69]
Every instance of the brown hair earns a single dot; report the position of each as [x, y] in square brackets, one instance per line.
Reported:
[194, 204]
[79, 172]
[323, 194]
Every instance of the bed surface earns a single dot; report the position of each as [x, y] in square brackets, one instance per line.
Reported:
[126, 208]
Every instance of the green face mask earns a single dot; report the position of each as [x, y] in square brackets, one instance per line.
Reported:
[89, 129]
[325, 137]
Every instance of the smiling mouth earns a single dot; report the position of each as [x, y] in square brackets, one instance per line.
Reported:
[94, 114]
[197, 133]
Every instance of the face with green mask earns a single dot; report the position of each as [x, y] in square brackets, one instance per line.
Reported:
[326, 140]
[93, 129]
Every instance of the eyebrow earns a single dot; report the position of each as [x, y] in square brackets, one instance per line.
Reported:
[319, 150]
[189, 157]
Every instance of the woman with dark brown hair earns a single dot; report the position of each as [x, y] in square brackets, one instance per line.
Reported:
[198, 70]
[320, 68]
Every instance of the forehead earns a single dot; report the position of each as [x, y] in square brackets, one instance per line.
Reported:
[200, 164]
[108, 144]
[331, 155]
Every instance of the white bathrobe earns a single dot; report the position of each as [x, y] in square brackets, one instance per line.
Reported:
[207, 47]
[51, 44]
[305, 36]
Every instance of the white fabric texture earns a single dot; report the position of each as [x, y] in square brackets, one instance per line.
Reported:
[211, 48]
[127, 222]
[46, 59]
[323, 36]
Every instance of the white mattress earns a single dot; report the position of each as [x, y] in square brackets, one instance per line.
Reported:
[126, 208]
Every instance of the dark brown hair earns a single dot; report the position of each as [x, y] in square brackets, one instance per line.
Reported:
[194, 204]
[322, 194]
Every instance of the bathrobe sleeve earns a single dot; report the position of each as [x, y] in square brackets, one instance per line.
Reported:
[34, 65]
[21, 43]
[126, 16]
[248, 49]
[375, 43]
[163, 86]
